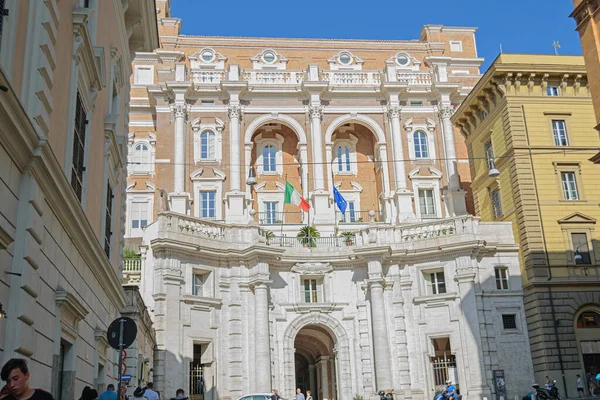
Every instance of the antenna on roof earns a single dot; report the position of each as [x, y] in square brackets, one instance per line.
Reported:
[556, 46]
[500, 48]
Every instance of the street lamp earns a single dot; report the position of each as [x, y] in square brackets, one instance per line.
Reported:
[578, 256]
[2, 312]
[251, 181]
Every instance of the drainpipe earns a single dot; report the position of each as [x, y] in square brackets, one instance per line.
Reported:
[553, 311]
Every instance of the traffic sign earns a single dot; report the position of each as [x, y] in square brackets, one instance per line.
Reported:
[129, 332]
[126, 378]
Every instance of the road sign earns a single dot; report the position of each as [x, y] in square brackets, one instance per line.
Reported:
[126, 378]
[129, 332]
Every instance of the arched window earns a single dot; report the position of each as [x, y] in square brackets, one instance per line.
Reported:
[269, 160]
[588, 319]
[420, 142]
[141, 157]
[207, 145]
[343, 158]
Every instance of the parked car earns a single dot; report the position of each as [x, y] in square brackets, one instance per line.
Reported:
[257, 396]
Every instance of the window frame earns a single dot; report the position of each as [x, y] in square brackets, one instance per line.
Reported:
[554, 132]
[433, 202]
[502, 281]
[210, 147]
[318, 291]
[575, 246]
[422, 137]
[198, 290]
[456, 43]
[510, 329]
[78, 163]
[271, 216]
[208, 200]
[349, 158]
[433, 285]
[566, 191]
[552, 91]
[260, 143]
[109, 220]
[496, 201]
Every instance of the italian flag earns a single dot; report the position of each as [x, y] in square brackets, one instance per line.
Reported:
[293, 197]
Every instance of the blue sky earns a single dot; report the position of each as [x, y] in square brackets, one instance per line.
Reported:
[522, 26]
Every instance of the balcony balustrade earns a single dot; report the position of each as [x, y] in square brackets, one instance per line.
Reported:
[357, 217]
[132, 264]
[273, 77]
[351, 77]
[414, 78]
[200, 77]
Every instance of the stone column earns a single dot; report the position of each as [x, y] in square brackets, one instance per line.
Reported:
[234, 147]
[311, 379]
[324, 361]
[383, 368]
[179, 198]
[235, 197]
[263, 346]
[402, 196]
[455, 197]
[316, 116]
[320, 192]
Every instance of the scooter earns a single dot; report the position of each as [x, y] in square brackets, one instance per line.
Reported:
[545, 394]
[443, 395]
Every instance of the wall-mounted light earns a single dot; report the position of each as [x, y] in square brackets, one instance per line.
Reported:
[2, 312]
[493, 172]
[251, 181]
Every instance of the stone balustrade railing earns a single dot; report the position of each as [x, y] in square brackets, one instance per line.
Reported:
[182, 227]
[351, 77]
[213, 76]
[273, 77]
[414, 78]
[132, 264]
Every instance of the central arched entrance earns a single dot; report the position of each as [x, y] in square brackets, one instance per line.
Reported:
[317, 357]
[315, 362]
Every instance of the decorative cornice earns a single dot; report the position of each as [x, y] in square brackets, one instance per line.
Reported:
[312, 268]
[180, 110]
[66, 301]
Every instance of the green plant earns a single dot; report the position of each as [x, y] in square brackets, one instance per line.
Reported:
[349, 236]
[308, 236]
[269, 235]
[130, 254]
[358, 397]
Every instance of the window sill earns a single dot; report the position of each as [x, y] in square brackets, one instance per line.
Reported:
[319, 307]
[572, 201]
[138, 173]
[344, 173]
[435, 298]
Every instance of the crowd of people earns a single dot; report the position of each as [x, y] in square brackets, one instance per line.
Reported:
[16, 375]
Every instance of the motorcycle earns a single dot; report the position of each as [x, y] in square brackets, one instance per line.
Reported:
[443, 395]
[547, 394]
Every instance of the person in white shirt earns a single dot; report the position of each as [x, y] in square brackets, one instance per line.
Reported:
[150, 394]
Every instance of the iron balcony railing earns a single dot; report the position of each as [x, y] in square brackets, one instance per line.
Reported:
[311, 242]
[278, 218]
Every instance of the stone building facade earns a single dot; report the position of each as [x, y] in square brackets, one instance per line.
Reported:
[64, 90]
[529, 130]
[399, 293]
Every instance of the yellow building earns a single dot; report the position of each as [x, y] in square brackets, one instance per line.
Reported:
[528, 125]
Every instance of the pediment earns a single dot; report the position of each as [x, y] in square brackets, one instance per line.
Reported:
[312, 268]
[577, 218]
[425, 172]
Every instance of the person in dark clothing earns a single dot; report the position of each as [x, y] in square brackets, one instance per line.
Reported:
[179, 395]
[16, 375]
[275, 395]
[88, 394]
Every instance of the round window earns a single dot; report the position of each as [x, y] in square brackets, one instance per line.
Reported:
[208, 56]
[345, 58]
[402, 59]
[269, 57]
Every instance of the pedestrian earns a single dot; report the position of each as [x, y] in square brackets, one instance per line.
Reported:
[123, 395]
[308, 395]
[548, 383]
[591, 383]
[580, 390]
[299, 395]
[275, 395]
[179, 395]
[16, 374]
[109, 393]
[150, 393]
[88, 394]
[139, 393]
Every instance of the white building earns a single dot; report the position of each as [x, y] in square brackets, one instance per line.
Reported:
[401, 293]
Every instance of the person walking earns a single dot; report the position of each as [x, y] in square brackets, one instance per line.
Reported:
[16, 375]
[299, 394]
[123, 395]
[150, 393]
[179, 395]
[275, 395]
[109, 393]
[140, 393]
[580, 390]
[89, 394]
[591, 383]
[308, 395]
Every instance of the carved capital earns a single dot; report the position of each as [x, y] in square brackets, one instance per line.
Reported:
[234, 112]
[180, 110]
[394, 112]
[446, 111]
[316, 112]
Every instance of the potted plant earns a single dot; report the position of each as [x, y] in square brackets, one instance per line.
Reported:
[308, 236]
[269, 235]
[349, 236]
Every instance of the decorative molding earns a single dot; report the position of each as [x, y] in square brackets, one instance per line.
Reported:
[71, 310]
[394, 112]
[312, 268]
[446, 111]
[234, 112]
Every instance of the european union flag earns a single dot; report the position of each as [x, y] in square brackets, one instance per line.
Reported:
[339, 200]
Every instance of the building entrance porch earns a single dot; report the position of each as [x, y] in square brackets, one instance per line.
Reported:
[315, 362]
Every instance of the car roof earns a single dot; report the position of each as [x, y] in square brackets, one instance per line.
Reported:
[256, 394]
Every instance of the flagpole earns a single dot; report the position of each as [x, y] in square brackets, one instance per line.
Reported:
[283, 213]
[308, 216]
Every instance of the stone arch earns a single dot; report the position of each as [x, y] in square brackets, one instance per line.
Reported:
[337, 331]
[367, 121]
[285, 119]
